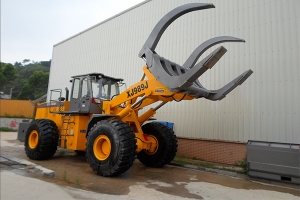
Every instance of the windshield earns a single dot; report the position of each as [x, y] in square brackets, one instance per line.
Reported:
[104, 88]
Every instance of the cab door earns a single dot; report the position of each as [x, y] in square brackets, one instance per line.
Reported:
[85, 100]
[80, 98]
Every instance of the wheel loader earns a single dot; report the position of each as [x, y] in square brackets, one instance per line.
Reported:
[105, 124]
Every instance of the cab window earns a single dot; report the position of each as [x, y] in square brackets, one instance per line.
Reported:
[84, 88]
[75, 88]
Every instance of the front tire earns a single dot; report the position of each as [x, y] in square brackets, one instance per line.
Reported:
[111, 147]
[166, 142]
[41, 139]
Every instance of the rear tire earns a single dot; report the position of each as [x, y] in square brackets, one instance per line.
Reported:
[167, 145]
[41, 139]
[111, 147]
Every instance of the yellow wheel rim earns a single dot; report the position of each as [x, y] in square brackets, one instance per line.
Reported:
[102, 147]
[33, 139]
[154, 145]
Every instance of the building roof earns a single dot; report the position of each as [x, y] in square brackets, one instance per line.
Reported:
[99, 75]
[117, 15]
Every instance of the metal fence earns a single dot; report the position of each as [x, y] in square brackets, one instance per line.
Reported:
[16, 108]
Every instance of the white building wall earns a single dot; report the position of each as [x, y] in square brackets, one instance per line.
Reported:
[266, 107]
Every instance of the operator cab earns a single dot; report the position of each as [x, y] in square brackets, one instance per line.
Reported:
[90, 90]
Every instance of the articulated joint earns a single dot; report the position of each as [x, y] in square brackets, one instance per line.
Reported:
[147, 143]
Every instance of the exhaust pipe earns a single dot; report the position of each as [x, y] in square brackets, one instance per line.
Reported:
[67, 94]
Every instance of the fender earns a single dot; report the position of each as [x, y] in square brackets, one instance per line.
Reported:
[95, 118]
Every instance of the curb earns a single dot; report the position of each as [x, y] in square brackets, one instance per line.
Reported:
[218, 171]
[31, 165]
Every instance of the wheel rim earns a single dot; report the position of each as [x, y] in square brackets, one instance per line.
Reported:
[33, 139]
[102, 147]
[154, 145]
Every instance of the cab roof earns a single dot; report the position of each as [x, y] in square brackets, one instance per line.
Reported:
[98, 75]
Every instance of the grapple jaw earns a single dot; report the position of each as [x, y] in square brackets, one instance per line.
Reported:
[184, 79]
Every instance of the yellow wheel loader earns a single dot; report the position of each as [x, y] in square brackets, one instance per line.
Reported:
[106, 125]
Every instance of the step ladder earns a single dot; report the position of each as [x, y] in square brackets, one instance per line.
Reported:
[64, 130]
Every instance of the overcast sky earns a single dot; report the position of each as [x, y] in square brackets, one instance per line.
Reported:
[30, 28]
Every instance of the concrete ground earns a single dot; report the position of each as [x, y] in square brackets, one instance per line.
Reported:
[68, 176]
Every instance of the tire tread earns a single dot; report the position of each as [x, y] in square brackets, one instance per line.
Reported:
[170, 148]
[126, 151]
[48, 140]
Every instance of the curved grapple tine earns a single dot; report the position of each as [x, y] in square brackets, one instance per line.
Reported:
[208, 62]
[222, 92]
[163, 24]
[190, 62]
[183, 81]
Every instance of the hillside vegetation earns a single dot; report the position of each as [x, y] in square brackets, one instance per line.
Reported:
[26, 80]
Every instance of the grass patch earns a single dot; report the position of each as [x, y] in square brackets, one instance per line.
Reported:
[243, 164]
[78, 181]
[208, 165]
[201, 163]
[15, 116]
[64, 177]
[5, 129]
[194, 161]
[183, 161]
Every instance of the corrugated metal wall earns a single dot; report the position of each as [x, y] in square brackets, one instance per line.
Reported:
[16, 108]
[265, 107]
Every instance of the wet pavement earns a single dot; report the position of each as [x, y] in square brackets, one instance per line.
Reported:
[74, 176]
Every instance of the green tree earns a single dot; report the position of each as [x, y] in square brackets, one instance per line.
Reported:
[17, 77]
[18, 64]
[8, 74]
[3, 80]
[36, 86]
[8, 71]
[26, 71]
[26, 61]
[45, 63]
[26, 92]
